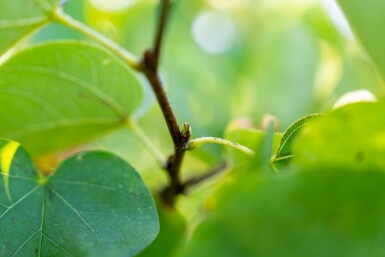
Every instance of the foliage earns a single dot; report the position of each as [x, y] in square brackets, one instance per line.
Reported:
[78, 79]
[78, 210]
[284, 152]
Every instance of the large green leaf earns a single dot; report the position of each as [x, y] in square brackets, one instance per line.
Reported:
[172, 234]
[351, 137]
[19, 18]
[57, 94]
[326, 208]
[368, 20]
[94, 205]
[315, 213]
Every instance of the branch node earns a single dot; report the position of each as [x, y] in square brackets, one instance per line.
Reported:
[149, 63]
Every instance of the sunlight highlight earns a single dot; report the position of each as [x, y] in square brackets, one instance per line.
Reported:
[362, 95]
[6, 156]
[338, 18]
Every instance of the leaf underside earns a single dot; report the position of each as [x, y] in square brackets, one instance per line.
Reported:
[368, 20]
[17, 22]
[58, 94]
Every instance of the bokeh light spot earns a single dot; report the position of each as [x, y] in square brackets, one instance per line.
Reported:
[214, 32]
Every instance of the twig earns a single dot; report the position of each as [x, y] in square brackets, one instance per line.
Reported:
[209, 174]
[195, 143]
[161, 96]
[149, 66]
[163, 17]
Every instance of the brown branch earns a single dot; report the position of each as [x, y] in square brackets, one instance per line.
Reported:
[209, 174]
[162, 22]
[149, 66]
[163, 102]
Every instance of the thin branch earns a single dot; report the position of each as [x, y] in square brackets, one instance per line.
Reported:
[195, 143]
[175, 186]
[206, 176]
[164, 104]
[163, 18]
[149, 66]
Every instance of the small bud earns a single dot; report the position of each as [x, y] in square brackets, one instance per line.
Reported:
[186, 130]
[267, 119]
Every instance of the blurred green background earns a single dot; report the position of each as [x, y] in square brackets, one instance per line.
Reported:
[227, 64]
[229, 61]
[236, 58]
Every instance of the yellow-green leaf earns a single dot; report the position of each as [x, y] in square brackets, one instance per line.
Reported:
[58, 94]
[368, 20]
[19, 18]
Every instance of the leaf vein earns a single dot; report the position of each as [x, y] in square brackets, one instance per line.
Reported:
[59, 124]
[17, 177]
[19, 201]
[106, 213]
[33, 97]
[21, 23]
[42, 222]
[77, 81]
[65, 201]
[82, 183]
[27, 33]
[25, 242]
[5, 206]
[284, 158]
[57, 245]
[279, 152]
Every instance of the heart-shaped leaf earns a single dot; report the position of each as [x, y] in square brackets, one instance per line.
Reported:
[94, 205]
[20, 18]
[368, 20]
[284, 152]
[59, 94]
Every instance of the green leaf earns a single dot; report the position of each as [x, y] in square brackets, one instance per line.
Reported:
[59, 94]
[351, 137]
[22, 17]
[95, 204]
[367, 20]
[263, 156]
[313, 213]
[258, 141]
[172, 235]
[284, 152]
